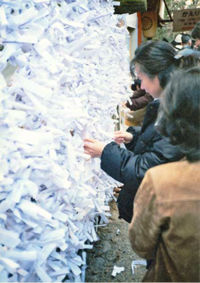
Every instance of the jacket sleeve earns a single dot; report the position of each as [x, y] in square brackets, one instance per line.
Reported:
[144, 229]
[129, 168]
[139, 102]
[135, 131]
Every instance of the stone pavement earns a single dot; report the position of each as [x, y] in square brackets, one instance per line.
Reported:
[113, 248]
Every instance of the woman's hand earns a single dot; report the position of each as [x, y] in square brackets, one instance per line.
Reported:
[93, 147]
[116, 191]
[122, 137]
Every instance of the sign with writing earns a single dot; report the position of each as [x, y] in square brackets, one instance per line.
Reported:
[185, 19]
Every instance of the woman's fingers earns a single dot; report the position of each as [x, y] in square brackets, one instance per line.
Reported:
[89, 140]
[124, 137]
[119, 134]
[116, 190]
[93, 147]
[119, 137]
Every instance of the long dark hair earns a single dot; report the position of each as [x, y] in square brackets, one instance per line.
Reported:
[179, 113]
[159, 58]
[156, 58]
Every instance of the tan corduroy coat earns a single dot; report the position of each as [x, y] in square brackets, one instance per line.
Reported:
[166, 222]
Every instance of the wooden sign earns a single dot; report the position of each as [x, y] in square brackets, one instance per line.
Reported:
[185, 19]
[149, 24]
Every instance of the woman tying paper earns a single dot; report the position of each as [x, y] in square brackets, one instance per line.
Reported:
[145, 147]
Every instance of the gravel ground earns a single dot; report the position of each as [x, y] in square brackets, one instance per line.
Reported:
[113, 248]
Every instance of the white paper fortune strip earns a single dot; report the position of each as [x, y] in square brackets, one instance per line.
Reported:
[70, 69]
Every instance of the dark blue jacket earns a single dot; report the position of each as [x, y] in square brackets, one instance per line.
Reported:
[147, 149]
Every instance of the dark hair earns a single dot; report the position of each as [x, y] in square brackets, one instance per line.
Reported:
[156, 58]
[132, 70]
[179, 113]
[196, 31]
[160, 58]
[185, 38]
[137, 83]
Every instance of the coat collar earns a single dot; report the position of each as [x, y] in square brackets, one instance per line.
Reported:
[151, 113]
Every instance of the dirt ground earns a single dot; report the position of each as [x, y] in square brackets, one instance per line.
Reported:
[113, 248]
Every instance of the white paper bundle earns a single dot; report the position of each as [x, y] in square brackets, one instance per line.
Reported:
[72, 70]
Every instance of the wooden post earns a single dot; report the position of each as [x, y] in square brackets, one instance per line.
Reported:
[139, 28]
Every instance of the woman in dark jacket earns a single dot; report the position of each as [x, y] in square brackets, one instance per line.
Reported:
[154, 63]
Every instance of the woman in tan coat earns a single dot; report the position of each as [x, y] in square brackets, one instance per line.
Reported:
[165, 227]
